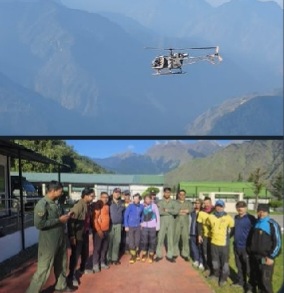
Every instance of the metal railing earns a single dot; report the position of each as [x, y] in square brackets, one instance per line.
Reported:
[10, 216]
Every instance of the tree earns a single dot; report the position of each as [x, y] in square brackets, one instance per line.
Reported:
[149, 189]
[240, 177]
[256, 178]
[277, 186]
[59, 151]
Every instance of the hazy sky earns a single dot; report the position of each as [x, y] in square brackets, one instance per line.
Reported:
[107, 148]
[218, 2]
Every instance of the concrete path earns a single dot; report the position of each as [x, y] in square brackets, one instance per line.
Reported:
[162, 277]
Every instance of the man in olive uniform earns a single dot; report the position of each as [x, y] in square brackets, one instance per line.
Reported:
[50, 220]
[167, 209]
[182, 226]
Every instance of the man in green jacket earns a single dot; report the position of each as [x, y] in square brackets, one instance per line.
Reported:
[167, 209]
[78, 233]
[182, 226]
[49, 218]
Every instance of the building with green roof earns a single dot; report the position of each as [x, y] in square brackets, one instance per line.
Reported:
[100, 182]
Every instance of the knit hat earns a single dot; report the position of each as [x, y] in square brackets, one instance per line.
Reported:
[263, 207]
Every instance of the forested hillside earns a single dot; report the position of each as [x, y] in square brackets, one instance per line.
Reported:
[59, 151]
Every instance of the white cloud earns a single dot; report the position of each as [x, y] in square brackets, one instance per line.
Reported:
[130, 147]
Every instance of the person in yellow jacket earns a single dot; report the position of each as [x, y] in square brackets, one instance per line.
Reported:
[220, 224]
[203, 234]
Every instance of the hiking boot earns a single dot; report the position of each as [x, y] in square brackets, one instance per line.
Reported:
[143, 256]
[75, 282]
[150, 257]
[132, 259]
[170, 259]
[96, 269]
[104, 266]
[201, 267]
[158, 259]
[186, 258]
[195, 264]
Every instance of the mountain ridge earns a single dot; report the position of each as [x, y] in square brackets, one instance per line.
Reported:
[159, 158]
[235, 159]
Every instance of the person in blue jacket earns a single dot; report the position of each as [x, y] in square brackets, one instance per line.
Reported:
[244, 222]
[133, 217]
[264, 245]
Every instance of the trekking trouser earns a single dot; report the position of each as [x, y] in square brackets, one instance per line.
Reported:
[114, 242]
[124, 245]
[220, 261]
[148, 239]
[100, 248]
[207, 255]
[242, 263]
[80, 249]
[134, 237]
[261, 275]
[195, 249]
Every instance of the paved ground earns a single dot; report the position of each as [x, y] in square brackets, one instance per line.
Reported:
[162, 277]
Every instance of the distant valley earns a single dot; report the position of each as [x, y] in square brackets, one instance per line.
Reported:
[160, 158]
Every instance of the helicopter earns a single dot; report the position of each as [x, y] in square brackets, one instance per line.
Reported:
[173, 63]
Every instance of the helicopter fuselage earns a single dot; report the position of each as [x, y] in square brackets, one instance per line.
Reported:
[174, 61]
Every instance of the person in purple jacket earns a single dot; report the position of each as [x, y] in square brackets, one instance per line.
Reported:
[150, 226]
[132, 222]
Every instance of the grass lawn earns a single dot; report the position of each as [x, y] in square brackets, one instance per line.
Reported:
[277, 276]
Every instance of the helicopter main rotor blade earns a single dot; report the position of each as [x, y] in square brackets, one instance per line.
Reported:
[153, 48]
[198, 48]
[175, 49]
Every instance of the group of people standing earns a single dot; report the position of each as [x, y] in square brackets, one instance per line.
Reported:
[256, 244]
[142, 227]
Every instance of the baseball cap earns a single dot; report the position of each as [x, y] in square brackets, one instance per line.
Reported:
[263, 207]
[117, 190]
[126, 192]
[220, 203]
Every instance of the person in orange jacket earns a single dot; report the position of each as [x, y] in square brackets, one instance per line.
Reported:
[101, 224]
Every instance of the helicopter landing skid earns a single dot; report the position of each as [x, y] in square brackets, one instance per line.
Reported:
[168, 73]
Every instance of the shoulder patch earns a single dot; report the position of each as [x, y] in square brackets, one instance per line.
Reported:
[40, 213]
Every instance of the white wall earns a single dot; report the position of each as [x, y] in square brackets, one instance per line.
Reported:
[11, 244]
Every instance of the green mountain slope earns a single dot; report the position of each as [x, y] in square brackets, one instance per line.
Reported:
[57, 150]
[228, 163]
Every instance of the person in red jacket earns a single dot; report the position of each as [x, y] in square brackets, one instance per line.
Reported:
[101, 223]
